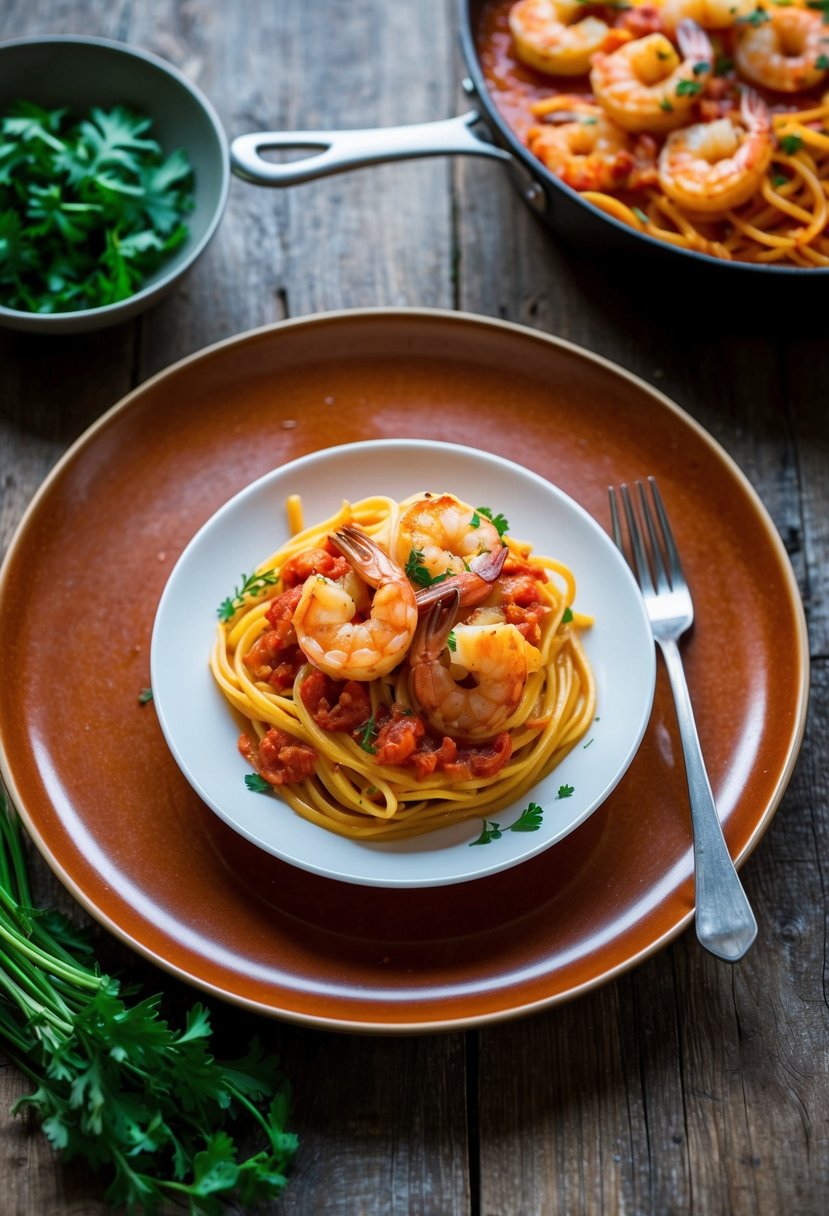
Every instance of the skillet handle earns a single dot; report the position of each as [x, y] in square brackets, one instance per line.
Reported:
[337, 151]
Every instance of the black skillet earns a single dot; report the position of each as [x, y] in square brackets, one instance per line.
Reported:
[483, 131]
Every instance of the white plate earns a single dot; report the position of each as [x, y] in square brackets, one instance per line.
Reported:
[201, 730]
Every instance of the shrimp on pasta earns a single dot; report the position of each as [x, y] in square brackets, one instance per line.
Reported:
[379, 705]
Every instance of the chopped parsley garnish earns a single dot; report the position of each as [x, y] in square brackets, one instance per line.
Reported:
[568, 616]
[790, 144]
[528, 821]
[489, 832]
[368, 731]
[565, 791]
[666, 106]
[145, 696]
[688, 88]
[89, 206]
[640, 215]
[256, 783]
[822, 6]
[702, 66]
[251, 584]
[501, 524]
[417, 573]
[779, 180]
[722, 65]
[757, 18]
[452, 642]
[822, 62]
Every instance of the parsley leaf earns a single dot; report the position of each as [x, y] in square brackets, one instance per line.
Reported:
[500, 522]
[756, 19]
[790, 144]
[565, 791]
[145, 696]
[529, 820]
[689, 88]
[89, 206]
[251, 584]
[368, 731]
[257, 784]
[567, 616]
[489, 832]
[417, 573]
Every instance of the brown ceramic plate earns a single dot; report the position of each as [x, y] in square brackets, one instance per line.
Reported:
[106, 804]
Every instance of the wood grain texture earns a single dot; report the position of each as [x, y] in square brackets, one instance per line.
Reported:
[686, 1086]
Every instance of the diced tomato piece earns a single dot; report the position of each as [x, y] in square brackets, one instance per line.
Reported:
[279, 758]
[333, 704]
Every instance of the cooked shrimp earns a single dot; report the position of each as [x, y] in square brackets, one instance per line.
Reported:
[554, 36]
[714, 166]
[442, 534]
[473, 584]
[710, 14]
[323, 620]
[494, 655]
[646, 85]
[589, 152]
[786, 52]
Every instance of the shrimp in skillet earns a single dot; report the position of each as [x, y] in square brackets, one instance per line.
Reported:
[712, 167]
[494, 655]
[324, 617]
[646, 85]
[590, 152]
[710, 14]
[439, 534]
[555, 36]
[786, 51]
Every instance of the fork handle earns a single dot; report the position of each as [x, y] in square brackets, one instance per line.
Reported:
[724, 920]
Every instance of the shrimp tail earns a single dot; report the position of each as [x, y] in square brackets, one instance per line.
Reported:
[473, 584]
[434, 628]
[754, 111]
[694, 43]
[367, 558]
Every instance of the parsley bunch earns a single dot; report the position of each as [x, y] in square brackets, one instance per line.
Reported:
[89, 207]
[115, 1085]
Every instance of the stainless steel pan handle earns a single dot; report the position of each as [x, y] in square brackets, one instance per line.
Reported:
[337, 151]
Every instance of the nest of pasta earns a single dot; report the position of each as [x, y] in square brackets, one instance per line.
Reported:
[403, 666]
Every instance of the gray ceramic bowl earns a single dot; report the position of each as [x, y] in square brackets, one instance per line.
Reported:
[78, 73]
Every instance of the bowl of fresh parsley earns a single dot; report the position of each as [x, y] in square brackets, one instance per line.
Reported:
[114, 172]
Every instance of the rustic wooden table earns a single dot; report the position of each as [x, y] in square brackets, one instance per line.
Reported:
[686, 1085]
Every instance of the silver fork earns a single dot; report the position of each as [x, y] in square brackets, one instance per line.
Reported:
[724, 920]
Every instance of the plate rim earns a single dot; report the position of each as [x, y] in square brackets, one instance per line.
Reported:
[447, 316]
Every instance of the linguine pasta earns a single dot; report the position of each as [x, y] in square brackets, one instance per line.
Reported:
[345, 787]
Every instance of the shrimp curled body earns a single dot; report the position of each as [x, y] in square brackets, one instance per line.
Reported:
[554, 36]
[494, 655]
[590, 152]
[788, 52]
[715, 166]
[444, 534]
[710, 14]
[326, 631]
[646, 86]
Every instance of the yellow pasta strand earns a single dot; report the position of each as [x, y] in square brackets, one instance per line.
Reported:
[349, 792]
